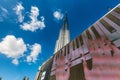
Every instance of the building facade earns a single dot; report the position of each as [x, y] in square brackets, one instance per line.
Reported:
[44, 70]
[93, 55]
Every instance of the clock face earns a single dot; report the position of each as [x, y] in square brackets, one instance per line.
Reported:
[43, 75]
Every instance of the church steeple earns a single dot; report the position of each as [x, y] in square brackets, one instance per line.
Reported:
[64, 35]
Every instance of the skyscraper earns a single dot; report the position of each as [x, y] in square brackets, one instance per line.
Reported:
[64, 35]
[64, 38]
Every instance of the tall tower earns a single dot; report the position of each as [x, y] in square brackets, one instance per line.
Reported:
[64, 35]
[63, 39]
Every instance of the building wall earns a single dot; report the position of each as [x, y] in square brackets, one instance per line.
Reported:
[95, 54]
[44, 70]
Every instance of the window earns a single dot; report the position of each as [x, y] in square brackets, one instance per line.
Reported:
[95, 32]
[77, 44]
[114, 19]
[65, 51]
[107, 26]
[88, 35]
[81, 40]
[68, 48]
[73, 43]
[117, 10]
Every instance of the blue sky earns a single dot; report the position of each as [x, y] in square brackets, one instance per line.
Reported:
[29, 30]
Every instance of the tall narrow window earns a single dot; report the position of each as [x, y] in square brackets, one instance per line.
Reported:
[65, 51]
[114, 19]
[88, 35]
[95, 32]
[77, 44]
[81, 40]
[107, 26]
[73, 44]
[68, 48]
[117, 10]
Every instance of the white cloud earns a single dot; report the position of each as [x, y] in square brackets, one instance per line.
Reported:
[4, 10]
[15, 61]
[58, 15]
[3, 13]
[12, 47]
[35, 51]
[18, 10]
[34, 24]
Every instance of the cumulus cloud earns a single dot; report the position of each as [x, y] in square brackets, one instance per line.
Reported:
[3, 13]
[15, 61]
[34, 24]
[35, 51]
[12, 47]
[18, 10]
[58, 15]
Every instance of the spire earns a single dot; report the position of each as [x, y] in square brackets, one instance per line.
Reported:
[65, 22]
[64, 35]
